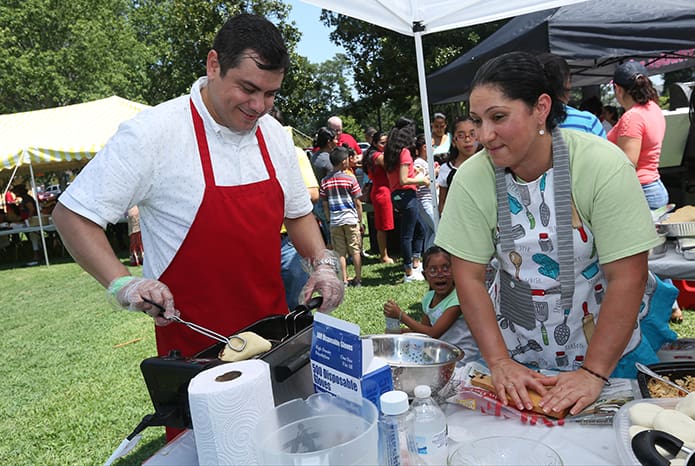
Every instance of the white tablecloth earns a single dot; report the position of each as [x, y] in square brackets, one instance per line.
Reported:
[577, 444]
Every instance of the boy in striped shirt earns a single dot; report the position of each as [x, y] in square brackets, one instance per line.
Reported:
[339, 193]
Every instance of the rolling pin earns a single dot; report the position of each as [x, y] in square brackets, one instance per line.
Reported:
[485, 382]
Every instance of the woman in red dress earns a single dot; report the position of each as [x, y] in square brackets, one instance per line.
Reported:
[380, 195]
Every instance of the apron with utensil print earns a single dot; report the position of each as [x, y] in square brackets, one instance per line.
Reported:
[549, 286]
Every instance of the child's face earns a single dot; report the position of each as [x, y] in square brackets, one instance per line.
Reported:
[438, 273]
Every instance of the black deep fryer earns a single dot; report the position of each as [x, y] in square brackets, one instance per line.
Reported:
[167, 377]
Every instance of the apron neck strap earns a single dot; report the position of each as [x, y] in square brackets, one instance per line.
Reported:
[563, 216]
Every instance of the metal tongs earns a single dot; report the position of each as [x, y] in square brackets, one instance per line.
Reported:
[203, 330]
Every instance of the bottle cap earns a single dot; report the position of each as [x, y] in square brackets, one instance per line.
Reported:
[394, 402]
[422, 391]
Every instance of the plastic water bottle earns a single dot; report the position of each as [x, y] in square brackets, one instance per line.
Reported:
[429, 427]
[396, 443]
[392, 325]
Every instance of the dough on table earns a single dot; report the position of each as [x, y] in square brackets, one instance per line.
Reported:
[687, 405]
[636, 429]
[643, 414]
[675, 423]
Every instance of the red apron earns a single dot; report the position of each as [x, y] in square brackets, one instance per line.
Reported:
[226, 274]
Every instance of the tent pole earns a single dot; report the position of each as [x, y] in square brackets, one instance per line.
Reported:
[38, 208]
[426, 123]
[7, 188]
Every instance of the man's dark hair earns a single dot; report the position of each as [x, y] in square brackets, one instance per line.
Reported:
[339, 155]
[246, 32]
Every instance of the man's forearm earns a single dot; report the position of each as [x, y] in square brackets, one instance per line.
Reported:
[88, 245]
[305, 235]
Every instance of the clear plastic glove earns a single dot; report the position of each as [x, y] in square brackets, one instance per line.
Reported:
[324, 280]
[131, 292]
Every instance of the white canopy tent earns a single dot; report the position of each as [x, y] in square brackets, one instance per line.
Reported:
[419, 17]
[59, 138]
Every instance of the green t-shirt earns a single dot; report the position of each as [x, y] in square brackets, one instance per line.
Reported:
[605, 190]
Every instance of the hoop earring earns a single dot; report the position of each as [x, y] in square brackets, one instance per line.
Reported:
[541, 132]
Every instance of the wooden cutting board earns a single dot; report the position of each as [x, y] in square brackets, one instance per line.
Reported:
[485, 382]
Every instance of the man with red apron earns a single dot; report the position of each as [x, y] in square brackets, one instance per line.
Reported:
[213, 178]
[225, 240]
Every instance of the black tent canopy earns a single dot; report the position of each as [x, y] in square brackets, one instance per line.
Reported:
[593, 37]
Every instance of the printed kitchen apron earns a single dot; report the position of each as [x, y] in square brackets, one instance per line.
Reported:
[226, 274]
[550, 285]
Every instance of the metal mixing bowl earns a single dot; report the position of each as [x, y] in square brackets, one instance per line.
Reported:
[417, 359]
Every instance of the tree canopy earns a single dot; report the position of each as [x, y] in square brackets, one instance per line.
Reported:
[61, 52]
[385, 69]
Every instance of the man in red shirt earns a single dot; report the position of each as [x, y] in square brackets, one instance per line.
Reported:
[336, 124]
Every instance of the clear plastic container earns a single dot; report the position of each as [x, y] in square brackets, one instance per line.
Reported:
[322, 430]
[429, 427]
[396, 443]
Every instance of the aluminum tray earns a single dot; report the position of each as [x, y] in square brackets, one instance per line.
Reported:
[675, 229]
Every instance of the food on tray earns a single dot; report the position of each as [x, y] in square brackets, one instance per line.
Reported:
[676, 423]
[682, 215]
[636, 429]
[485, 381]
[679, 422]
[255, 345]
[643, 414]
[687, 405]
[658, 389]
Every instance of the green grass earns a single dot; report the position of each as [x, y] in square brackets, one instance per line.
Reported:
[69, 395]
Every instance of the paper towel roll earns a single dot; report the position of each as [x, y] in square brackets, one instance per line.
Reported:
[225, 412]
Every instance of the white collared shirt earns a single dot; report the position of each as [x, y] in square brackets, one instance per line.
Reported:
[153, 162]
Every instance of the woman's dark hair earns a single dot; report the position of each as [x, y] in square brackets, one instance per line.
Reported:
[520, 76]
[642, 90]
[245, 32]
[367, 162]
[419, 142]
[402, 135]
[431, 251]
[323, 136]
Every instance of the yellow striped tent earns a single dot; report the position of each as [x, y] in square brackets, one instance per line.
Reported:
[61, 137]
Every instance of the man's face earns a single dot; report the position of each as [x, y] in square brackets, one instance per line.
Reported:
[243, 95]
[338, 128]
